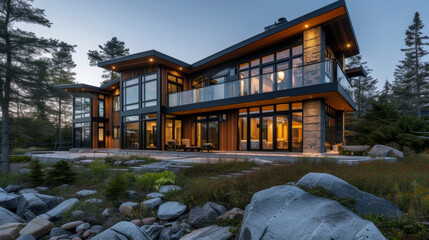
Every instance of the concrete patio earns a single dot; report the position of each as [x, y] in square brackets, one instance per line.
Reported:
[202, 157]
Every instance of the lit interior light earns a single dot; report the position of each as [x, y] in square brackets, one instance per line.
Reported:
[348, 45]
[180, 68]
[151, 59]
[113, 67]
[306, 25]
[281, 76]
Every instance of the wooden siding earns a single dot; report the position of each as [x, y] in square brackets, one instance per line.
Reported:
[134, 72]
[228, 132]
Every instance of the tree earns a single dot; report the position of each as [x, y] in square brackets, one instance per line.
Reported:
[61, 73]
[364, 87]
[411, 75]
[111, 49]
[20, 53]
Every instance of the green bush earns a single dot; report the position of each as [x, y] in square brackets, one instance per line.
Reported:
[116, 187]
[99, 171]
[36, 173]
[61, 173]
[19, 159]
[151, 181]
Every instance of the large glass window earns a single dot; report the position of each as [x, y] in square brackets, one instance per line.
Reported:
[329, 127]
[149, 90]
[271, 127]
[82, 135]
[115, 132]
[101, 106]
[82, 107]
[150, 134]
[131, 132]
[173, 131]
[131, 94]
[207, 130]
[267, 79]
[297, 72]
[283, 76]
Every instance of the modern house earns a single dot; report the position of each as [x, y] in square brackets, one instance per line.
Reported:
[285, 89]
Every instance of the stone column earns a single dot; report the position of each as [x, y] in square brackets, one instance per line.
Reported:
[314, 54]
[339, 127]
[313, 126]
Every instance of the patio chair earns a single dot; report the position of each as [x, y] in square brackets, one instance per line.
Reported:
[171, 145]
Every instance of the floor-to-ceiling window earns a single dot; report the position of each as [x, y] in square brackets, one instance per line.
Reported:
[269, 127]
[131, 132]
[149, 128]
[101, 106]
[207, 130]
[82, 135]
[329, 127]
[82, 107]
[173, 130]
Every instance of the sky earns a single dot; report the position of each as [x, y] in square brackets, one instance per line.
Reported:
[192, 30]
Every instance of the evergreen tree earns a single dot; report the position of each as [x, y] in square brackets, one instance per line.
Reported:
[36, 173]
[20, 51]
[61, 73]
[364, 87]
[411, 75]
[111, 49]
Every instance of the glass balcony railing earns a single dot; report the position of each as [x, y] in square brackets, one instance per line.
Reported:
[307, 75]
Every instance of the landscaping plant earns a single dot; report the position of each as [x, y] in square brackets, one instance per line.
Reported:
[61, 173]
[36, 173]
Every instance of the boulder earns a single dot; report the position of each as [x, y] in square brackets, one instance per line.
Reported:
[106, 212]
[130, 204]
[57, 211]
[123, 230]
[201, 216]
[96, 229]
[7, 200]
[290, 211]
[385, 151]
[71, 225]
[37, 227]
[56, 231]
[82, 227]
[85, 193]
[152, 230]
[136, 222]
[356, 148]
[148, 220]
[42, 189]
[213, 232]
[78, 214]
[170, 210]
[10, 230]
[27, 190]
[86, 234]
[26, 237]
[33, 204]
[365, 202]
[132, 162]
[94, 200]
[152, 204]
[154, 195]
[233, 213]
[169, 188]
[171, 234]
[132, 193]
[12, 188]
[7, 216]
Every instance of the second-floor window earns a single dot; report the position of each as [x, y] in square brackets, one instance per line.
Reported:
[140, 91]
[149, 90]
[101, 106]
[82, 107]
[175, 84]
[131, 94]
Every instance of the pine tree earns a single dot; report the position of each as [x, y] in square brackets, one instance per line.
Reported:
[20, 63]
[411, 75]
[111, 49]
[61, 73]
[36, 173]
[364, 87]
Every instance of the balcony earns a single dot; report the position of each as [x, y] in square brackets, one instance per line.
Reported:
[299, 77]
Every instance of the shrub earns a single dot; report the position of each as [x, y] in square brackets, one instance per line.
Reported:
[116, 187]
[151, 181]
[36, 173]
[99, 171]
[61, 173]
[143, 212]
[325, 193]
[19, 159]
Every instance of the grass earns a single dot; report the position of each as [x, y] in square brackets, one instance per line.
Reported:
[405, 183]
[19, 151]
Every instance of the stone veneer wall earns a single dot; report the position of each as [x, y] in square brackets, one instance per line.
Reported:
[313, 126]
[314, 52]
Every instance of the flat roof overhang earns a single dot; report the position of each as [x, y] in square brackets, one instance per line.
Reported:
[82, 88]
[356, 72]
[333, 94]
[334, 18]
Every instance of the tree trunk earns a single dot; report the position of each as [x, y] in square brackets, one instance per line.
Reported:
[59, 122]
[5, 137]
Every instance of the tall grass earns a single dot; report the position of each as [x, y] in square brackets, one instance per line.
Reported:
[99, 171]
[152, 181]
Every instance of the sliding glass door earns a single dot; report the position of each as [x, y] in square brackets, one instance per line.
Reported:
[207, 130]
